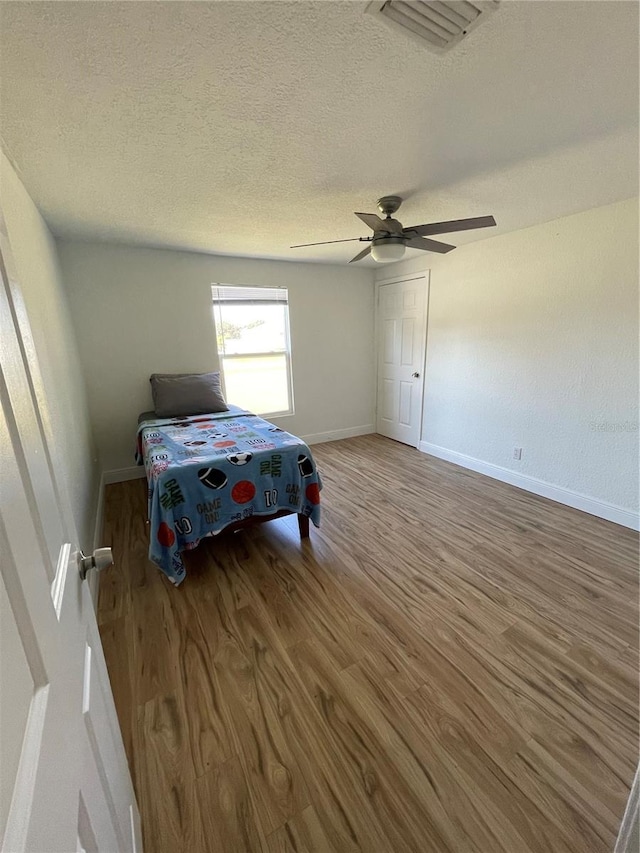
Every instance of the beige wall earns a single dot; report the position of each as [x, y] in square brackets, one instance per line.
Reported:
[47, 305]
[533, 342]
[139, 311]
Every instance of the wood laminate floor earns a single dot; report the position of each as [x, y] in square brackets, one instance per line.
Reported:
[449, 664]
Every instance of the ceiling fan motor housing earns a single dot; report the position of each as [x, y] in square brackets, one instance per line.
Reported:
[384, 239]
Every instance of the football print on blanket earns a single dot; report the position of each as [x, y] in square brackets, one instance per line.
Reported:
[305, 465]
[212, 478]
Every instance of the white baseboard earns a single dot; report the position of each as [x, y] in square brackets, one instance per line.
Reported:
[336, 434]
[120, 475]
[602, 509]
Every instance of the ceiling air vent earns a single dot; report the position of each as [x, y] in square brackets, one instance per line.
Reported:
[438, 23]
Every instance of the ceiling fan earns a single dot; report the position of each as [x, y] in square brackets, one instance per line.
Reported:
[390, 239]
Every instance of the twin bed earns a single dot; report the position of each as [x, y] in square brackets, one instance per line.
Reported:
[220, 470]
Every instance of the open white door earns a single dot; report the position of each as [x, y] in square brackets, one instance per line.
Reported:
[64, 782]
[629, 836]
[401, 344]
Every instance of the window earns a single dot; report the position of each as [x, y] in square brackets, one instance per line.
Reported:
[252, 329]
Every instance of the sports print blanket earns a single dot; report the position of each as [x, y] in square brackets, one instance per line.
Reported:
[207, 471]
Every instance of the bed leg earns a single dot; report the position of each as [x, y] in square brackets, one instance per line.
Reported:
[303, 526]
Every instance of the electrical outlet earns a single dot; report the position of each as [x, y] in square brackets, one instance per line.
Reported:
[517, 453]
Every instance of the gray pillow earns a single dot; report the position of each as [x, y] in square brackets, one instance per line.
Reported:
[177, 394]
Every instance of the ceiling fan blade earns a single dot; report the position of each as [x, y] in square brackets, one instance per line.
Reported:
[361, 255]
[372, 220]
[324, 242]
[429, 245]
[453, 225]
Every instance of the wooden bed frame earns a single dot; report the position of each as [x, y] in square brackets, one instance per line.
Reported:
[303, 522]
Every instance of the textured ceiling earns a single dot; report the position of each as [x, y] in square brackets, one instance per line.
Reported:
[244, 127]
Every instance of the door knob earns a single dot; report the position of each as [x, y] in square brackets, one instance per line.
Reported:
[416, 375]
[101, 559]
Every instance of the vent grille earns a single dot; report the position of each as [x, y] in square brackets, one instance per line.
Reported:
[438, 23]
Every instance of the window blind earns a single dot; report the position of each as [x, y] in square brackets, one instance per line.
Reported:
[229, 294]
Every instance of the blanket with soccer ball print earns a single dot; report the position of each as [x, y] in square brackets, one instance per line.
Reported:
[207, 471]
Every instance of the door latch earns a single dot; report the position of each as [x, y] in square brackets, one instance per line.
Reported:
[101, 559]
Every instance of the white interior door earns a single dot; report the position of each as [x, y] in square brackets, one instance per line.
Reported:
[64, 781]
[401, 344]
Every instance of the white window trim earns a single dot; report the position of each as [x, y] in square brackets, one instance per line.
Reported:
[286, 352]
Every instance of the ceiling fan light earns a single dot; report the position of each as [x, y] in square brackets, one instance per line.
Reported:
[386, 251]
